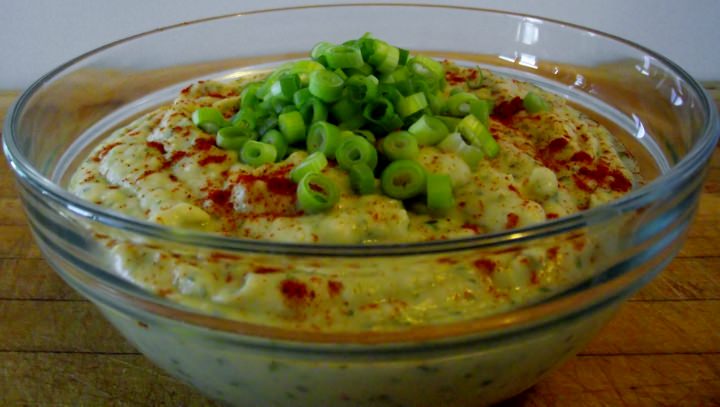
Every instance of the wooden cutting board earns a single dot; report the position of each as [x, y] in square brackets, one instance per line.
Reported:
[662, 349]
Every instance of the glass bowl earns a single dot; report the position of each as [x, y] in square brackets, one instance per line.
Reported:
[669, 123]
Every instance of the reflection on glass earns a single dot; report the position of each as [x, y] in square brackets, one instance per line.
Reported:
[528, 60]
[528, 32]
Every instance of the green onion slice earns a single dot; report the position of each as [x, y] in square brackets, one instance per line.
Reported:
[209, 119]
[472, 130]
[276, 138]
[356, 150]
[301, 96]
[361, 89]
[428, 130]
[427, 68]
[292, 126]
[400, 145]
[326, 85]
[481, 109]
[478, 135]
[323, 137]
[343, 56]
[411, 104]
[313, 110]
[455, 144]
[459, 104]
[449, 121]
[384, 57]
[285, 87]
[362, 179]
[439, 193]
[256, 153]
[316, 193]
[248, 97]
[266, 122]
[403, 179]
[233, 138]
[245, 117]
[315, 162]
[534, 103]
[318, 51]
[379, 111]
[345, 110]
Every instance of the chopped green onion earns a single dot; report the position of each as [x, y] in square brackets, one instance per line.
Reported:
[366, 43]
[427, 68]
[362, 179]
[316, 193]
[266, 122]
[476, 82]
[481, 109]
[304, 67]
[244, 118]
[292, 126]
[326, 85]
[455, 144]
[323, 137]
[256, 153]
[366, 134]
[341, 74]
[361, 89]
[379, 111]
[428, 130]
[345, 110]
[288, 109]
[385, 57]
[438, 102]
[534, 103]
[439, 193]
[277, 105]
[276, 138]
[343, 56]
[450, 122]
[365, 70]
[315, 162]
[248, 97]
[400, 145]
[491, 147]
[233, 138]
[353, 123]
[403, 56]
[285, 87]
[411, 104]
[209, 119]
[319, 50]
[390, 93]
[356, 150]
[472, 129]
[403, 179]
[478, 135]
[459, 103]
[314, 110]
[301, 96]
[401, 74]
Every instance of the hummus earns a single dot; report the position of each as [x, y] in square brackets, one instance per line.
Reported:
[164, 169]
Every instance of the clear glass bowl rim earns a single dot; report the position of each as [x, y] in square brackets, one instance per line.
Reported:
[672, 180]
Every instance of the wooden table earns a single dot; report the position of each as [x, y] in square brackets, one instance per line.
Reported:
[662, 349]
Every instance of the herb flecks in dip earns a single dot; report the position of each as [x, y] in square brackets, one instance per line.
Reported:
[531, 158]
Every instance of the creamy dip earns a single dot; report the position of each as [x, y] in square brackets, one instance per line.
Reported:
[164, 169]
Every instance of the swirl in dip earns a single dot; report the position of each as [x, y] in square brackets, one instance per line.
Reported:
[164, 168]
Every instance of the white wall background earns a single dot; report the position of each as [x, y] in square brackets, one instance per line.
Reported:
[37, 35]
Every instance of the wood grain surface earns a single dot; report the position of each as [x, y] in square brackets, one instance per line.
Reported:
[662, 349]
